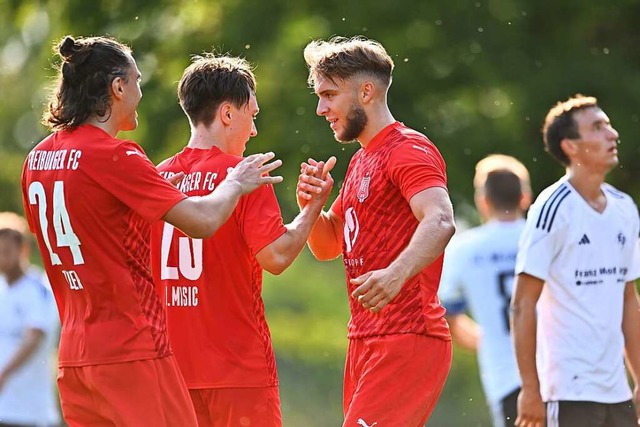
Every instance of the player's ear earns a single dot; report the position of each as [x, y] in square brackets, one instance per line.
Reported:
[482, 204]
[569, 147]
[117, 87]
[525, 201]
[225, 113]
[367, 91]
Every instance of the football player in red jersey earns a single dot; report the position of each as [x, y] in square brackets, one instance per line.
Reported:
[91, 198]
[391, 223]
[212, 287]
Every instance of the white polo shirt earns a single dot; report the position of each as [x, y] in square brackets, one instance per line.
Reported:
[585, 259]
[478, 277]
[28, 395]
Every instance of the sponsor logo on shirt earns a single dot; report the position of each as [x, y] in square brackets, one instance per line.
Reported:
[363, 191]
[351, 228]
[363, 423]
[597, 276]
[133, 153]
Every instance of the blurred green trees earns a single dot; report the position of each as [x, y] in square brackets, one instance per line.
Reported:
[476, 77]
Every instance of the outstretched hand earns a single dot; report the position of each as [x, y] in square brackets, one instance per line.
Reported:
[253, 171]
[315, 181]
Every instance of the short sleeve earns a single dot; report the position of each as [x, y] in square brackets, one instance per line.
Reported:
[131, 177]
[451, 292]
[538, 246]
[261, 218]
[416, 165]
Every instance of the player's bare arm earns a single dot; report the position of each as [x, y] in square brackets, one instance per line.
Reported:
[279, 254]
[631, 331]
[325, 239]
[432, 207]
[33, 338]
[464, 330]
[200, 217]
[527, 290]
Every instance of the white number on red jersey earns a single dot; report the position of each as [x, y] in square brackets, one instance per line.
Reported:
[65, 237]
[189, 256]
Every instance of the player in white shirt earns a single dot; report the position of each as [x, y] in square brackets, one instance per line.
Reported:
[578, 260]
[28, 333]
[477, 277]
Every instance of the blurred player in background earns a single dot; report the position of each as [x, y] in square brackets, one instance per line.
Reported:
[91, 198]
[477, 277]
[575, 303]
[28, 332]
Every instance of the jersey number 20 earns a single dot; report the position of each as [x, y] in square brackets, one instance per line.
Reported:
[189, 256]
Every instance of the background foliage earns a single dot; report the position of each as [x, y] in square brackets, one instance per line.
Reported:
[476, 76]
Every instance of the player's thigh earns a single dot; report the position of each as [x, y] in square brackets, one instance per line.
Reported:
[238, 407]
[510, 408]
[504, 411]
[143, 393]
[77, 400]
[621, 415]
[398, 380]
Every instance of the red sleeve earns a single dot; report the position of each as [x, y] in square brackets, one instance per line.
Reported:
[416, 165]
[131, 177]
[260, 218]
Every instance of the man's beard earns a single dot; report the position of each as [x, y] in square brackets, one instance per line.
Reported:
[356, 122]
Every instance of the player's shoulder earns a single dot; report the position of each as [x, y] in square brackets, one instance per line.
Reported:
[465, 241]
[622, 203]
[33, 285]
[553, 206]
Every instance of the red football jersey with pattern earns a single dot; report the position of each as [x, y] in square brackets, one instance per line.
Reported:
[212, 287]
[91, 199]
[378, 224]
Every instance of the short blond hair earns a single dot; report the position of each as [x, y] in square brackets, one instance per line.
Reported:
[13, 221]
[343, 58]
[500, 162]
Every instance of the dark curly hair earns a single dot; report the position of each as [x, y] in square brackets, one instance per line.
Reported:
[88, 67]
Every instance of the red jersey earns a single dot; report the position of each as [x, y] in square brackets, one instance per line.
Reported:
[91, 199]
[378, 224]
[212, 287]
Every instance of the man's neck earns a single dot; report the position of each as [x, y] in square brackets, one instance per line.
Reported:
[587, 183]
[377, 120]
[205, 138]
[505, 216]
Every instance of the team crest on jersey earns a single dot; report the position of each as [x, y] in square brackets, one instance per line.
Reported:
[363, 191]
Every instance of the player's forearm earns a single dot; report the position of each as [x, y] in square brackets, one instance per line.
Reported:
[631, 330]
[524, 329]
[427, 243]
[324, 242]
[200, 217]
[283, 251]
[465, 331]
[28, 347]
